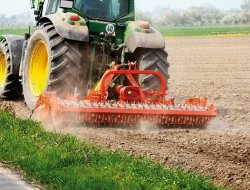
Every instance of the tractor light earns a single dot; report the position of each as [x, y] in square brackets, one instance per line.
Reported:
[73, 17]
[143, 24]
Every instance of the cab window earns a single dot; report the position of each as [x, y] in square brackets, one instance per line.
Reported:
[102, 9]
[52, 6]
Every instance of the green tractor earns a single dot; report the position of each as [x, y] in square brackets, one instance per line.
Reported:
[73, 43]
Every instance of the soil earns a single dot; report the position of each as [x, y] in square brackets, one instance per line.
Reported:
[216, 67]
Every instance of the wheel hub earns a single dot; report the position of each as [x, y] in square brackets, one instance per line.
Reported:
[2, 69]
[38, 68]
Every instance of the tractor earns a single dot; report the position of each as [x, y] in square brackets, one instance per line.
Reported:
[91, 59]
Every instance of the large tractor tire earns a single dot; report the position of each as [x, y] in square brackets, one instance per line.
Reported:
[10, 56]
[151, 59]
[52, 63]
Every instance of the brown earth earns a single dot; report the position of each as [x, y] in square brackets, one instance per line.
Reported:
[216, 67]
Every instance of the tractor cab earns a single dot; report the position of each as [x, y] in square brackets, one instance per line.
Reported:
[100, 16]
[106, 10]
[109, 10]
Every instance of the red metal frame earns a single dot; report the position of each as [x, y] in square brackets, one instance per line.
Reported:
[150, 105]
[128, 74]
[99, 94]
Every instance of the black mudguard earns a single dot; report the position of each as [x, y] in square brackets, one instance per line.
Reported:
[135, 37]
[68, 31]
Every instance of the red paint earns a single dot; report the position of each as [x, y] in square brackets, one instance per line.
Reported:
[73, 17]
[132, 106]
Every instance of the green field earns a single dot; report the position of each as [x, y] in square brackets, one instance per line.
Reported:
[16, 31]
[205, 31]
[62, 162]
[172, 31]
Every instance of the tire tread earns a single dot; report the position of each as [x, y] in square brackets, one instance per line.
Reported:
[12, 87]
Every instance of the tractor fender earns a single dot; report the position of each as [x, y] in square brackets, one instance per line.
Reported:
[15, 44]
[138, 35]
[66, 28]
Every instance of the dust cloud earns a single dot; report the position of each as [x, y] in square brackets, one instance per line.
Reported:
[216, 124]
[146, 126]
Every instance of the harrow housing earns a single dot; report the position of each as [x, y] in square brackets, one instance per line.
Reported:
[130, 106]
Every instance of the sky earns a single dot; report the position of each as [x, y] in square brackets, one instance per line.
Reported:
[150, 5]
[10, 7]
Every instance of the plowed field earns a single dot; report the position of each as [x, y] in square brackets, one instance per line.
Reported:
[216, 67]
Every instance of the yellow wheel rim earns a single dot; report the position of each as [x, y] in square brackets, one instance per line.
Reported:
[38, 68]
[2, 69]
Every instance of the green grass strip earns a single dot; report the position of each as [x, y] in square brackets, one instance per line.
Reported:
[205, 30]
[59, 161]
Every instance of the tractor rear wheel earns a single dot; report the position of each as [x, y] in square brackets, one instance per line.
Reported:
[51, 63]
[151, 59]
[10, 86]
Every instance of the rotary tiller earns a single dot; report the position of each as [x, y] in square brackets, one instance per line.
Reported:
[124, 104]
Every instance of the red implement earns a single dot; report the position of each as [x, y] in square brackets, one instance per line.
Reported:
[131, 106]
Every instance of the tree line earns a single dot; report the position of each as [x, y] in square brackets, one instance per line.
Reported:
[193, 16]
[19, 20]
[197, 16]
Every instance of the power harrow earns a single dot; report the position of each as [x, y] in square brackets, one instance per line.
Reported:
[118, 100]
